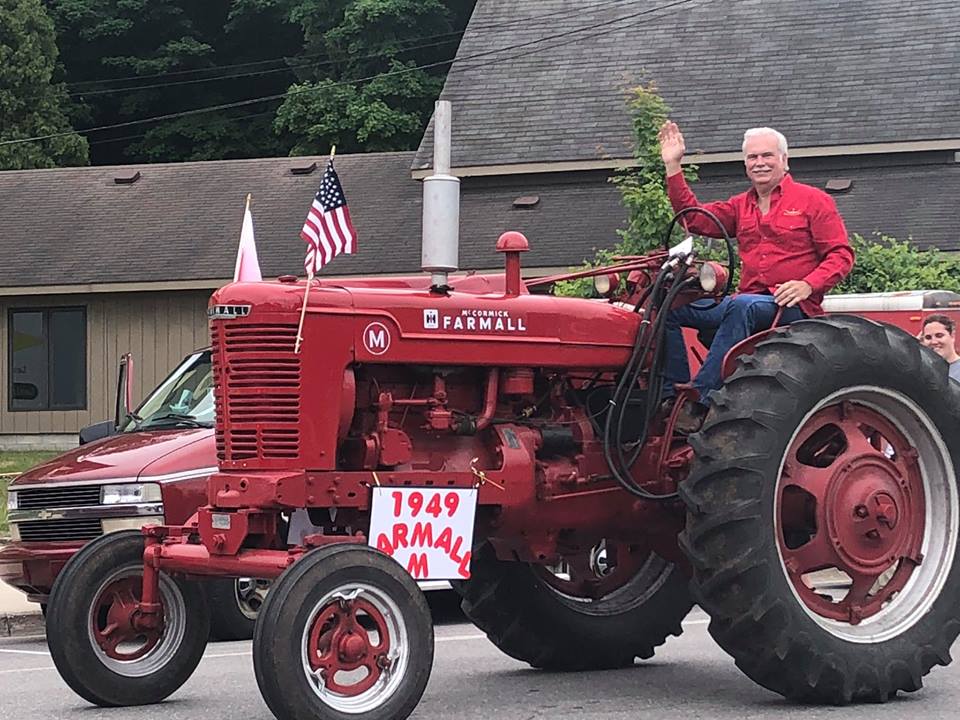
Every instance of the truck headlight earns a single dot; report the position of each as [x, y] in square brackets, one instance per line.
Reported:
[132, 494]
[11, 501]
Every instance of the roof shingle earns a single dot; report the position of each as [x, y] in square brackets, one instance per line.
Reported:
[823, 72]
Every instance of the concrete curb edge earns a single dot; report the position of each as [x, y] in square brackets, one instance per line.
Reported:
[20, 624]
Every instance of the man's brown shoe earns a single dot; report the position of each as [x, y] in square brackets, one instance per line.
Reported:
[690, 418]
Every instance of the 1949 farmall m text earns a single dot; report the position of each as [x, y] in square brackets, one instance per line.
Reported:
[477, 429]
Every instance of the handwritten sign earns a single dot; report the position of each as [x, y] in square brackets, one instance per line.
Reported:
[429, 531]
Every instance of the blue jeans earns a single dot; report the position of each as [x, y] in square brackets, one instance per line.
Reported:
[734, 319]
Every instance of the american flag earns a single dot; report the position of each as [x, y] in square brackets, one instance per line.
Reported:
[328, 230]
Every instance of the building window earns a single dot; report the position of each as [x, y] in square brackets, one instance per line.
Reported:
[48, 359]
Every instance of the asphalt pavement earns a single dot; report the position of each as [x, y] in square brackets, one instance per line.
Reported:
[689, 679]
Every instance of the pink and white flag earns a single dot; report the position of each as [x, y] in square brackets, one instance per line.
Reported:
[247, 268]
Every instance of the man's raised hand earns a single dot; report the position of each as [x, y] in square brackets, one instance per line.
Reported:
[671, 146]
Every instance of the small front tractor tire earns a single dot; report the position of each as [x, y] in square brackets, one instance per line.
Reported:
[94, 644]
[824, 512]
[344, 633]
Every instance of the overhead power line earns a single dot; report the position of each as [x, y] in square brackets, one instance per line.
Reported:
[393, 73]
[530, 21]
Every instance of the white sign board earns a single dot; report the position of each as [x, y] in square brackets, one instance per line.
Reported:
[427, 530]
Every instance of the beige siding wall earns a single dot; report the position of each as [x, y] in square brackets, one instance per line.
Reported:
[159, 328]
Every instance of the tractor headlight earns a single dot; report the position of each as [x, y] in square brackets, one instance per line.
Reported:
[11, 501]
[708, 277]
[131, 494]
[713, 276]
[605, 285]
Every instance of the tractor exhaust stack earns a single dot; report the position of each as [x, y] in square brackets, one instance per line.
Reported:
[441, 206]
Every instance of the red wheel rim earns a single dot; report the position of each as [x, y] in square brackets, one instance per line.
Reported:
[850, 499]
[347, 636]
[113, 620]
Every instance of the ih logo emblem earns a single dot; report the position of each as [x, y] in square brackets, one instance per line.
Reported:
[431, 319]
[376, 338]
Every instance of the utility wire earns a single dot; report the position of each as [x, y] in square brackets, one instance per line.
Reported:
[529, 21]
[393, 73]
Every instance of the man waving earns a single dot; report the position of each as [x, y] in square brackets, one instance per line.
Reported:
[793, 249]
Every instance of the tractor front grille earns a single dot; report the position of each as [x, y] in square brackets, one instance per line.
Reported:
[257, 387]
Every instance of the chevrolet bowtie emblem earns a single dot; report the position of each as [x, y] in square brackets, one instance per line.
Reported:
[44, 515]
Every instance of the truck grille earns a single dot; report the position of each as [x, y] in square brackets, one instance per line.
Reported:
[60, 530]
[57, 497]
[257, 391]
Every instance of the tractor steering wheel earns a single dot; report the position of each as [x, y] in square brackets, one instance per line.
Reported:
[731, 263]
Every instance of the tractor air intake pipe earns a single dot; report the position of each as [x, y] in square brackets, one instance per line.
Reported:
[441, 206]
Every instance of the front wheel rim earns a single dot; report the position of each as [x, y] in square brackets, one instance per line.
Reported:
[354, 649]
[113, 633]
[866, 500]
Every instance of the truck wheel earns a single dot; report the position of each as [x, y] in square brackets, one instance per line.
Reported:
[598, 611]
[234, 604]
[91, 634]
[823, 512]
[344, 633]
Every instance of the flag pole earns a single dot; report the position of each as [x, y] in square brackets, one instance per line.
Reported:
[303, 312]
[306, 292]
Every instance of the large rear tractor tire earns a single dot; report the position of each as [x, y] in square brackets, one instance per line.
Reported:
[234, 604]
[344, 633]
[92, 630]
[823, 513]
[597, 614]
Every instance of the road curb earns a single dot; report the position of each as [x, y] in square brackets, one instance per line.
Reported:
[19, 624]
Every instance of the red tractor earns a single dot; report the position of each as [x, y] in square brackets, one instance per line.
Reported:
[815, 517]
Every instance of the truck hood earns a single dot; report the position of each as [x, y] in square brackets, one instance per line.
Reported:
[128, 456]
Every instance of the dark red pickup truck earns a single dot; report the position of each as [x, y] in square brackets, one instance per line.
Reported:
[152, 468]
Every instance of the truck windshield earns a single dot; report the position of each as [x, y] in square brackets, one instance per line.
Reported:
[184, 399]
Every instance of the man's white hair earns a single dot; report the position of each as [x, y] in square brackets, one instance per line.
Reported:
[754, 132]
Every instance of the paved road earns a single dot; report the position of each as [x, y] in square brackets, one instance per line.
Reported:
[689, 679]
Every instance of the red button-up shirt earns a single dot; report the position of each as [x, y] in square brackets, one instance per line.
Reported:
[802, 236]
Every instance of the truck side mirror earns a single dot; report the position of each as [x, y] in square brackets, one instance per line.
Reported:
[97, 431]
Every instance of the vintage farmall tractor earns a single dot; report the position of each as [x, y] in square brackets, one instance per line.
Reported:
[516, 443]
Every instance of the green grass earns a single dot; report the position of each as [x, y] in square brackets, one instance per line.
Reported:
[15, 462]
[3, 507]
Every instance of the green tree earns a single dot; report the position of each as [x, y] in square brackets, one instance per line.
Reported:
[362, 39]
[642, 188]
[885, 264]
[31, 103]
[133, 59]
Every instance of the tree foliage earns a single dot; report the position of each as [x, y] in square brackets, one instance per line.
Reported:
[885, 264]
[126, 60]
[31, 102]
[642, 189]
[335, 104]
[132, 59]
